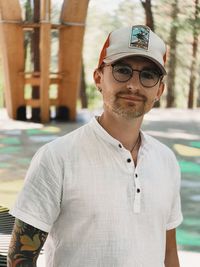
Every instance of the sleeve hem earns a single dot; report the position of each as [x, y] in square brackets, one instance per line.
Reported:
[174, 224]
[30, 219]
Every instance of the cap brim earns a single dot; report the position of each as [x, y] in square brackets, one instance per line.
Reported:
[113, 58]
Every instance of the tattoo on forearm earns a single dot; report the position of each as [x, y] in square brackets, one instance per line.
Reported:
[25, 245]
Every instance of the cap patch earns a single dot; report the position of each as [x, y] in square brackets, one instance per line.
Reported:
[139, 37]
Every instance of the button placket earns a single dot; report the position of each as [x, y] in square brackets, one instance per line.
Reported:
[137, 200]
[127, 160]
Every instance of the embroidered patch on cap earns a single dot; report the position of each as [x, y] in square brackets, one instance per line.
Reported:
[139, 37]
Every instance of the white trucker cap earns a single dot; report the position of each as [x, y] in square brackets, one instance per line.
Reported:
[138, 40]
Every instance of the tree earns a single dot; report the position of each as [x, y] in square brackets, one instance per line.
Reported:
[35, 50]
[198, 94]
[83, 95]
[148, 12]
[150, 23]
[28, 17]
[172, 56]
[194, 56]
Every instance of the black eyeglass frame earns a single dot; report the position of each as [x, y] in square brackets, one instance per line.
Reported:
[160, 75]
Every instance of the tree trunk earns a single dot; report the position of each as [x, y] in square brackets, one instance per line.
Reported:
[83, 95]
[198, 95]
[36, 57]
[148, 12]
[28, 15]
[172, 56]
[194, 58]
[150, 23]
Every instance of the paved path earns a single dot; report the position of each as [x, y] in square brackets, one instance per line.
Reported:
[179, 129]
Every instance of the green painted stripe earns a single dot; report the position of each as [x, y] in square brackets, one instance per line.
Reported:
[37, 131]
[5, 165]
[189, 167]
[10, 149]
[10, 141]
[186, 238]
[195, 144]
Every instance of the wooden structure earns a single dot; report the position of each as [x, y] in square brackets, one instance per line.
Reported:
[71, 32]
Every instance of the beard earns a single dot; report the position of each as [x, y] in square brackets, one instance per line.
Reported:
[126, 109]
[130, 111]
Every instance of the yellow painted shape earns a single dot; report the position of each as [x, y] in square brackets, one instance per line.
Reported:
[51, 129]
[187, 151]
[9, 191]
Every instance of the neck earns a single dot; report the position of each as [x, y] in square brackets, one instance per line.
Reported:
[124, 130]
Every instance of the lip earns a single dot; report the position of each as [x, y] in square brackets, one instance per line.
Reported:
[132, 98]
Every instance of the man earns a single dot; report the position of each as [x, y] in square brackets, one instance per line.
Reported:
[106, 194]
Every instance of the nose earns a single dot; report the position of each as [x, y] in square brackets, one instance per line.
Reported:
[134, 83]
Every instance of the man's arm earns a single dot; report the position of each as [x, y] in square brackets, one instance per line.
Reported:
[171, 255]
[25, 245]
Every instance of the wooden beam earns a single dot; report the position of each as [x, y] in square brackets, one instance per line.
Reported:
[36, 81]
[35, 103]
[27, 26]
[45, 53]
[11, 39]
[73, 17]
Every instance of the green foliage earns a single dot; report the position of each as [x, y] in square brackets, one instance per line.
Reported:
[94, 97]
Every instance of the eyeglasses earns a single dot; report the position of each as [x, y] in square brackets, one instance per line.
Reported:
[123, 73]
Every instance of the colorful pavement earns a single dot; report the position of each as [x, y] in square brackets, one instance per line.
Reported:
[179, 129]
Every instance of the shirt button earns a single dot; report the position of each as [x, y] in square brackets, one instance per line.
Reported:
[128, 160]
[136, 175]
[120, 145]
[138, 190]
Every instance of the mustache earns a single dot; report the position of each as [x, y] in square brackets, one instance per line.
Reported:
[128, 93]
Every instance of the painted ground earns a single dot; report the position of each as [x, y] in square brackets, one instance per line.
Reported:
[178, 129]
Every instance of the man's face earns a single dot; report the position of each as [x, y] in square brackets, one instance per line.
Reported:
[129, 99]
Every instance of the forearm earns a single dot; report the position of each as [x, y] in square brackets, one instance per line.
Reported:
[171, 254]
[171, 259]
[25, 245]
[19, 260]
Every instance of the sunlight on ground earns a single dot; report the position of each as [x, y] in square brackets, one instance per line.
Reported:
[187, 151]
[9, 191]
[174, 135]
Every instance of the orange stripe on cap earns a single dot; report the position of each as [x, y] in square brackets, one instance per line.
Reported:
[103, 51]
[165, 56]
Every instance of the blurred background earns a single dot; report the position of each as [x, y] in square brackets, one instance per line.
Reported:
[175, 120]
[177, 22]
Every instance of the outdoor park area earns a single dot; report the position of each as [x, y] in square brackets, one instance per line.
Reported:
[177, 128]
[48, 52]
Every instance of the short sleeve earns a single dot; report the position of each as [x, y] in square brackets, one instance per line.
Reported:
[176, 216]
[38, 204]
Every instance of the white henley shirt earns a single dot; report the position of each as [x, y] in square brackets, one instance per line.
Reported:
[98, 208]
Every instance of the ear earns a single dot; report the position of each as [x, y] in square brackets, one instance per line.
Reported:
[97, 76]
[160, 89]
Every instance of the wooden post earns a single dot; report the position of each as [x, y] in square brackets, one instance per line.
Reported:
[35, 55]
[12, 42]
[73, 17]
[45, 46]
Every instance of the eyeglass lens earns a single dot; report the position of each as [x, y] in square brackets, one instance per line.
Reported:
[123, 73]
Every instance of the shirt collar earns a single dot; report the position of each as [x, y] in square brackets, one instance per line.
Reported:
[100, 131]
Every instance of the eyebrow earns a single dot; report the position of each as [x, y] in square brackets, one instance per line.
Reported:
[153, 67]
